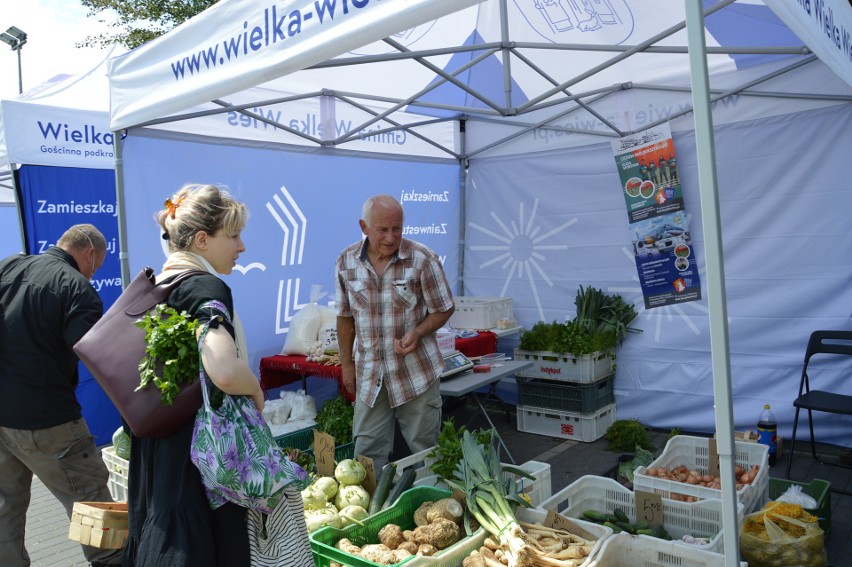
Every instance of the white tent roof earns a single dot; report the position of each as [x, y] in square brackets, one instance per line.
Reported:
[62, 122]
[572, 69]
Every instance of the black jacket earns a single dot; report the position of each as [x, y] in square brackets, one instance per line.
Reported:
[46, 305]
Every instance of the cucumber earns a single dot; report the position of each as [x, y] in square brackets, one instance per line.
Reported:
[406, 481]
[622, 517]
[595, 516]
[626, 526]
[615, 529]
[383, 487]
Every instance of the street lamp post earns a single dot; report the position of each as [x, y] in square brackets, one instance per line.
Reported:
[15, 38]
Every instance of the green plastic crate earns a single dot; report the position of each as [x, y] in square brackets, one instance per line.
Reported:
[401, 514]
[303, 440]
[819, 490]
[562, 395]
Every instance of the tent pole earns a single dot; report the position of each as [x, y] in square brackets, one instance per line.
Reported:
[123, 258]
[715, 275]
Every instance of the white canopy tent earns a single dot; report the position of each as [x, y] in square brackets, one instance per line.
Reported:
[525, 97]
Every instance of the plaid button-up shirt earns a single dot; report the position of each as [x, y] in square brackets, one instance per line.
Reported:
[384, 309]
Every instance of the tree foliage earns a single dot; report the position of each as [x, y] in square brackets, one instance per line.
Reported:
[138, 21]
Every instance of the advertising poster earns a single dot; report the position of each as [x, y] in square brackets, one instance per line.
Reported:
[665, 258]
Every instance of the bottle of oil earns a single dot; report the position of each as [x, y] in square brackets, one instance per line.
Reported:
[767, 432]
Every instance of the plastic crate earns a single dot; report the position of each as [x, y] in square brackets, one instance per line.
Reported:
[118, 469]
[585, 427]
[602, 533]
[303, 440]
[566, 396]
[699, 519]
[819, 490]
[566, 366]
[538, 489]
[625, 550]
[402, 514]
[480, 312]
[693, 452]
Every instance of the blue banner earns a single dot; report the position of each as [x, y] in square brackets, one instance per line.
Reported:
[53, 199]
[304, 209]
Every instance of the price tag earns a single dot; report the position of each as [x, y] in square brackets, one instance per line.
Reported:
[324, 453]
[649, 507]
[713, 458]
[369, 483]
[559, 522]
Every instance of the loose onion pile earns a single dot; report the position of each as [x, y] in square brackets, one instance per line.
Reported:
[695, 477]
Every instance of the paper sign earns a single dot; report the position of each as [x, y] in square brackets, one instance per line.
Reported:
[713, 459]
[369, 483]
[324, 453]
[649, 507]
[560, 522]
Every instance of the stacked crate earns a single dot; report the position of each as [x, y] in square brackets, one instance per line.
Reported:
[565, 395]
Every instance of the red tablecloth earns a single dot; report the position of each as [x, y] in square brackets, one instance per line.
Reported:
[280, 370]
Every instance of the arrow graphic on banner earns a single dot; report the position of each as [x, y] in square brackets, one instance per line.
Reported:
[296, 220]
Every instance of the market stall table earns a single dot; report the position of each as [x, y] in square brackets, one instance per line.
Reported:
[469, 382]
[280, 370]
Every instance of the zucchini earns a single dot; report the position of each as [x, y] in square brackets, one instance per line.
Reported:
[406, 481]
[383, 487]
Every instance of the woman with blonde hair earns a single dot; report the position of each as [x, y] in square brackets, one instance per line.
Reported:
[170, 519]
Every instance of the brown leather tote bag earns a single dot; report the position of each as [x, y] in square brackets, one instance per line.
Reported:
[113, 348]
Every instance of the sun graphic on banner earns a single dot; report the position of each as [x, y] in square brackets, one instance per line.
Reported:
[663, 314]
[520, 249]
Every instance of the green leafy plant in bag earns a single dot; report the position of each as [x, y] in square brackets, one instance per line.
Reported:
[171, 351]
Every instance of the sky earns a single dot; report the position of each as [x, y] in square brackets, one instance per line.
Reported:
[52, 28]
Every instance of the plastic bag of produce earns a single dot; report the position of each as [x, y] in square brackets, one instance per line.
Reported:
[782, 535]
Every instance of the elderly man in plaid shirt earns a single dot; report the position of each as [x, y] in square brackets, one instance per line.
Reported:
[392, 295]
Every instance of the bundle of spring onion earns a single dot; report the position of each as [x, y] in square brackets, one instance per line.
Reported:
[492, 502]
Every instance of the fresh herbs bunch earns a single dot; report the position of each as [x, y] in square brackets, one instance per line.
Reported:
[600, 325]
[448, 452]
[171, 351]
[335, 418]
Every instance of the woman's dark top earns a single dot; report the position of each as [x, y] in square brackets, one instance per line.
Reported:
[170, 520]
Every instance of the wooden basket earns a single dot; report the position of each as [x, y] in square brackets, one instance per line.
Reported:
[99, 524]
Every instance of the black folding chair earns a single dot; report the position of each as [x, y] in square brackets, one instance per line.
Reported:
[821, 342]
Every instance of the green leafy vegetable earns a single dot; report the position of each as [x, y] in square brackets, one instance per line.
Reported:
[335, 418]
[626, 435]
[448, 451]
[171, 351]
[642, 458]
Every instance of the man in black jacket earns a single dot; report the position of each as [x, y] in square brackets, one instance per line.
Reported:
[46, 305]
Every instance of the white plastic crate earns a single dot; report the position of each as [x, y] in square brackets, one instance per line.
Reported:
[694, 453]
[698, 519]
[625, 550]
[602, 533]
[538, 489]
[583, 368]
[118, 469]
[585, 427]
[480, 312]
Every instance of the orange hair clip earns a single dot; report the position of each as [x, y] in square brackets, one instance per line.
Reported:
[171, 206]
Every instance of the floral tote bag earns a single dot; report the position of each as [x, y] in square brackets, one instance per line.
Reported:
[235, 452]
